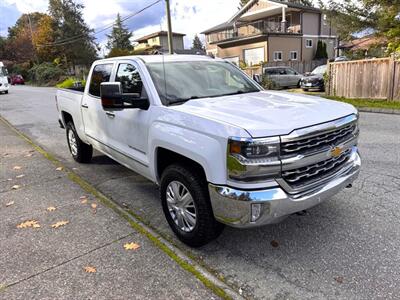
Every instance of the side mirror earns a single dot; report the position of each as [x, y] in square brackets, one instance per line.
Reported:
[113, 99]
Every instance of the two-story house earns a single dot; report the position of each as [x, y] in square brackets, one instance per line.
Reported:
[267, 30]
[159, 40]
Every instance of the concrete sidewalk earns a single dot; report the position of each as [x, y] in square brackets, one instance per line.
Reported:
[47, 263]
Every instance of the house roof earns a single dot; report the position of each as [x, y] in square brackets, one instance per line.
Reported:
[363, 43]
[155, 34]
[243, 10]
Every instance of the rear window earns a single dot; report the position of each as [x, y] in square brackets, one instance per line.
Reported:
[101, 73]
[271, 71]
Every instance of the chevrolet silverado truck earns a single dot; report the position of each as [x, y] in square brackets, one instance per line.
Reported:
[223, 150]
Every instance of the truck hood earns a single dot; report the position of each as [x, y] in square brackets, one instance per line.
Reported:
[268, 113]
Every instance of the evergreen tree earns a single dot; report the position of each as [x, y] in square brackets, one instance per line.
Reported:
[75, 39]
[119, 37]
[197, 44]
[378, 16]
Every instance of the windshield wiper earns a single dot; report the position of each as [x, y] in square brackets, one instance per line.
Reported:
[237, 93]
[177, 101]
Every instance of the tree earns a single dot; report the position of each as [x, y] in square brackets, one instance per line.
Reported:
[382, 17]
[43, 36]
[197, 44]
[242, 3]
[119, 37]
[74, 39]
[321, 51]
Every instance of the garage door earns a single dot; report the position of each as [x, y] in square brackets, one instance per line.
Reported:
[254, 56]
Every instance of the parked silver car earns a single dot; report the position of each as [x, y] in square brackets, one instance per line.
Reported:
[283, 77]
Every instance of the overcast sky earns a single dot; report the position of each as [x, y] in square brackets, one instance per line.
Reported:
[189, 16]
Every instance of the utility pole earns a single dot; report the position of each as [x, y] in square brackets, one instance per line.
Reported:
[170, 44]
[33, 44]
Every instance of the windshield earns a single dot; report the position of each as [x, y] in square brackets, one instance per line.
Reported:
[183, 81]
[319, 70]
[3, 71]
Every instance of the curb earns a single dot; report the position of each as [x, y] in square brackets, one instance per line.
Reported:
[209, 280]
[390, 111]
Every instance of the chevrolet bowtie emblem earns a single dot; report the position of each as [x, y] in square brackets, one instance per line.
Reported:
[336, 151]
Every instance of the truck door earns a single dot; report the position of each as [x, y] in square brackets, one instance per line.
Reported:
[127, 129]
[93, 114]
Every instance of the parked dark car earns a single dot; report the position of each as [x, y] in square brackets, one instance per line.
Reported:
[314, 80]
[283, 77]
[17, 79]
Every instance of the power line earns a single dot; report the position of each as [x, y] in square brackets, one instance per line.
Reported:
[78, 37]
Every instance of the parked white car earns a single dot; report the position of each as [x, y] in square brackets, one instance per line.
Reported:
[4, 85]
[222, 150]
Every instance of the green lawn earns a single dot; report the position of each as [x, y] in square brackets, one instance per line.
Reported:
[356, 102]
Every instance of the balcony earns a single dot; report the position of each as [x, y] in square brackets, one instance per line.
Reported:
[253, 29]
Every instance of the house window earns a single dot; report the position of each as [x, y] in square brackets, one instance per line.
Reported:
[309, 43]
[278, 56]
[293, 55]
[254, 56]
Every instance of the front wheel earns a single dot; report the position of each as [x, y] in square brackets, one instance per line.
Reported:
[6, 92]
[80, 151]
[186, 205]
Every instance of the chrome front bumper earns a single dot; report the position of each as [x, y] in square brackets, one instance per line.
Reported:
[234, 207]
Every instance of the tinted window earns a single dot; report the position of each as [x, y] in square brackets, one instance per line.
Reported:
[129, 77]
[101, 73]
[271, 71]
[290, 71]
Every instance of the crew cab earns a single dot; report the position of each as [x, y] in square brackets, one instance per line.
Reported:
[223, 150]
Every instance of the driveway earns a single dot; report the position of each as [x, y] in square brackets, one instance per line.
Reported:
[345, 248]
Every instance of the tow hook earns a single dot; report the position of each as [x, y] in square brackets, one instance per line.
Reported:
[349, 186]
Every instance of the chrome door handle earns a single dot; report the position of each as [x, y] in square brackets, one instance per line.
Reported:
[110, 114]
[85, 106]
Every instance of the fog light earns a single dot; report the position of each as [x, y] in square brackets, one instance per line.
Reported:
[255, 211]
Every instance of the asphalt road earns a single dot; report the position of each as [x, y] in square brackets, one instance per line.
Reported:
[345, 248]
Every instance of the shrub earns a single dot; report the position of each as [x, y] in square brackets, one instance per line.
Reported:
[45, 73]
[70, 82]
[268, 84]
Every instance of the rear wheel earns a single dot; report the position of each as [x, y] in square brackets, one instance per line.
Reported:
[80, 151]
[187, 208]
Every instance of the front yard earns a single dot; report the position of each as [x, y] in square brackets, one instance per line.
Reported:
[360, 103]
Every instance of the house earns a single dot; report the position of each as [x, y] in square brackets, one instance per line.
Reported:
[266, 30]
[159, 40]
[367, 46]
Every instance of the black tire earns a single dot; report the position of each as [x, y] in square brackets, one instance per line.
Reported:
[206, 228]
[6, 92]
[306, 90]
[83, 152]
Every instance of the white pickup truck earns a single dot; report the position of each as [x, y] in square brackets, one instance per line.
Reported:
[222, 149]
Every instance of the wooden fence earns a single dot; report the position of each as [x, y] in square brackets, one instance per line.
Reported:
[368, 78]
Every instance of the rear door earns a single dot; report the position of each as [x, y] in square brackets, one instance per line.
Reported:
[273, 74]
[292, 77]
[93, 114]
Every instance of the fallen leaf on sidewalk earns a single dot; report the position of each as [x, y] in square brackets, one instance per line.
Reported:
[9, 203]
[51, 208]
[93, 205]
[274, 243]
[83, 199]
[89, 269]
[17, 168]
[20, 176]
[9, 179]
[339, 279]
[15, 187]
[59, 169]
[131, 246]
[29, 155]
[59, 224]
[29, 223]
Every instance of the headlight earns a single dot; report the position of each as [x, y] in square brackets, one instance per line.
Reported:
[253, 159]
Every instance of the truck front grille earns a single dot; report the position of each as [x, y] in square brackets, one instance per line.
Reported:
[310, 174]
[319, 142]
